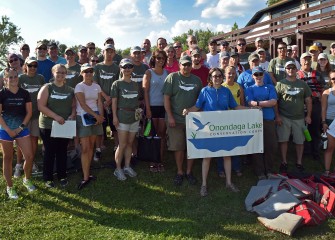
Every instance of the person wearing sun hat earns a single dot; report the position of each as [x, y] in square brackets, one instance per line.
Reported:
[264, 96]
[331, 56]
[125, 102]
[88, 106]
[292, 94]
[181, 90]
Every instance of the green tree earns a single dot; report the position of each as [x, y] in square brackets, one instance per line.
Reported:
[271, 2]
[125, 52]
[9, 35]
[202, 36]
[234, 27]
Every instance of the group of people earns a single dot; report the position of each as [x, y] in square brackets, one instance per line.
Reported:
[293, 93]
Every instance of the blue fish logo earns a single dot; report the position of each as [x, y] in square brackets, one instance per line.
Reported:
[199, 124]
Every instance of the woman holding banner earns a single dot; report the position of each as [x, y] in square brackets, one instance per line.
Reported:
[264, 96]
[215, 97]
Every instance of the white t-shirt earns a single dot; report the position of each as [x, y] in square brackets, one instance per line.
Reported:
[91, 96]
[213, 60]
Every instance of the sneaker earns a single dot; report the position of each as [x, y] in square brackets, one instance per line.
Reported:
[119, 174]
[97, 156]
[129, 171]
[34, 168]
[29, 185]
[178, 180]
[191, 179]
[49, 184]
[63, 182]
[17, 170]
[283, 167]
[83, 184]
[299, 167]
[203, 191]
[12, 193]
[232, 188]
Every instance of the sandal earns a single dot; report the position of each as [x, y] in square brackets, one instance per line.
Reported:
[83, 184]
[160, 168]
[238, 173]
[326, 173]
[222, 175]
[153, 168]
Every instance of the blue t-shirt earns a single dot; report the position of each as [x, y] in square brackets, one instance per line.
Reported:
[60, 60]
[44, 68]
[263, 93]
[246, 80]
[212, 99]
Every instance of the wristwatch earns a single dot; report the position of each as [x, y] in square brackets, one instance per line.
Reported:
[22, 126]
[257, 103]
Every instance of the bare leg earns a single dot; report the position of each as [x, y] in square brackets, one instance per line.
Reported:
[329, 152]
[299, 150]
[227, 169]
[87, 147]
[206, 162]
[128, 150]
[7, 150]
[120, 151]
[27, 151]
[179, 156]
[283, 151]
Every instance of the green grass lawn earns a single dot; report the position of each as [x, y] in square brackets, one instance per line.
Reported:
[146, 207]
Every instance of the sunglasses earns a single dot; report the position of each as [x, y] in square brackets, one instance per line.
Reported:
[60, 72]
[88, 71]
[32, 65]
[69, 53]
[282, 48]
[94, 60]
[225, 45]
[177, 47]
[160, 58]
[42, 48]
[332, 79]
[241, 44]
[128, 66]
[187, 64]
[217, 76]
[291, 68]
[258, 74]
[26, 49]
[91, 48]
[13, 60]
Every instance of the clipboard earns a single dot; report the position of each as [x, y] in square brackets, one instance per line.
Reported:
[67, 130]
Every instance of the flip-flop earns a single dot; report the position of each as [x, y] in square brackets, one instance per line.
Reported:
[153, 168]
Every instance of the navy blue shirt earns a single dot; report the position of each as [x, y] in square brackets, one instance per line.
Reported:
[44, 68]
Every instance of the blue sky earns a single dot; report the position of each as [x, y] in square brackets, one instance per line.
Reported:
[75, 22]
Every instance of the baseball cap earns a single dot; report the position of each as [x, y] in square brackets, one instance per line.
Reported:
[24, 45]
[253, 57]
[109, 46]
[306, 54]
[52, 44]
[195, 52]
[69, 49]
[315, 48]
[185, 59]
[82, 48]
[224, 54]
[85, 66]
[126, 61]
[109, 39]
[232, 54]
[30, 60]
[89, 44]
[333, 43]
[260, 50]
[224, 43]
[40, 44]
[290, 63]
[259, 39]
[135, 49]
[322, 56]
[212, 41]
[257, 69]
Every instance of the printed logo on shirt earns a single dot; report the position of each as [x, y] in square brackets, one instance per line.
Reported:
[31, 88]
[106, 75]
[293, 91]
[70, 74]
[57, 95]
[136, 77]
[186, 86]
[129, 94]
[280, 68]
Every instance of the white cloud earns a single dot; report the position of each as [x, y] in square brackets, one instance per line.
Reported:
[155, 12]
[61, 35]
[6, 11]
[120, 17]
[199, 2]
[230, 8]
[89, 7]
[223, 28]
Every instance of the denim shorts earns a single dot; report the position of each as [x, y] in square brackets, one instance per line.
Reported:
[5, 137]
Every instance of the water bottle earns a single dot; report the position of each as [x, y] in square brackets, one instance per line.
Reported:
[324, 141]
[147, 129]
[307, 134]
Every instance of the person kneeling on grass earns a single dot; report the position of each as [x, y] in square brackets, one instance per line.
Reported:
[16, 111]
[215, 97]
[125, 93]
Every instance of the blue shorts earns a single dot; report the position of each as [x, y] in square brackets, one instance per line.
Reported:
[5, 137]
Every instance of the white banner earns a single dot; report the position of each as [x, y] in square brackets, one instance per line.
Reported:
[224, 133]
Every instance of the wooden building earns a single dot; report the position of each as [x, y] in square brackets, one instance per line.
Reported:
[299, 22]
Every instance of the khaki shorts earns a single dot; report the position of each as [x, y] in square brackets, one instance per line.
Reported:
[86, 131]
[132, 127]
[291, 126]
[33, 127]
[176, 137]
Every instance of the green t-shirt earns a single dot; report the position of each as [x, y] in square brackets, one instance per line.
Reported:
[32, 85]
[183, 92]
[59, 101]
[73, 76]
[244, 60]
[331, 59]
[277, 67]
[127, 100]
[105, 76]
[291, 98]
